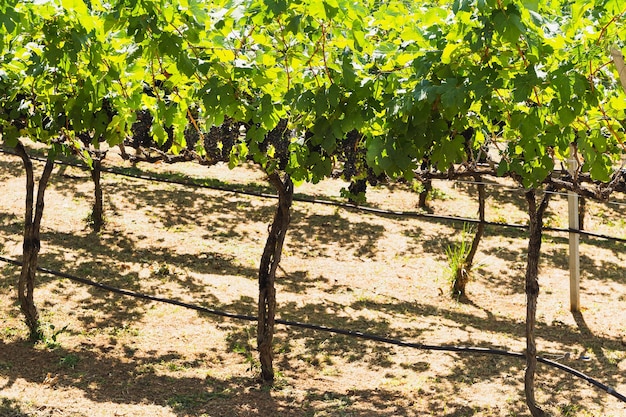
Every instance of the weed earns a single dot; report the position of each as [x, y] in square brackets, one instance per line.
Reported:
[570, 410]
[69, 361]
[614, 356]
[438, 194]
[457, 271]
[241, 343]
[10, 332]
[162, 270]
[50, 341]
[125, 329]
[174, 367]
[145, 368]
[181, 402]
[417, 187]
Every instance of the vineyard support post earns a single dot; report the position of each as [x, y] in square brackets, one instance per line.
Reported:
[574, 239]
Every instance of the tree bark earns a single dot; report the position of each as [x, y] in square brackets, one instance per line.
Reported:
[96, 214]
[31, 245]
[423, 196]
[267, 274]
[532, 292]
[582, 205]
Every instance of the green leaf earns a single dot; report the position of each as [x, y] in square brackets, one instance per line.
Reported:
[600, 169]
[446, 55]
[159, 133]
[566, 115]
[331, 8]
[186, 65]
[277, 7]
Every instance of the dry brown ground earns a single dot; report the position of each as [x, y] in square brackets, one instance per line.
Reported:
[108, 355]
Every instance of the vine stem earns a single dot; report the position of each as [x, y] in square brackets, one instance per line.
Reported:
[324, 52]
[527, 64]
[609, 23]
[282, 39]
[608, 125]
[124, 92]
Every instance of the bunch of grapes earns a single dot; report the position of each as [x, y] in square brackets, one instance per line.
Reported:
[229, 133]
[14, 111]
[352, 154]
[211, 144]
[219, 140]
[191, 133]
[141, 130]
[357, 187]
[141, 136]
[279, 138]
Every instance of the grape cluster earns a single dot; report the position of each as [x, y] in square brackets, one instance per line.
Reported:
[227, 134]
[356, 187]
[279, 138]
[141, 136]
[355, 168]
[211, 144]
[352, 154]
[192, 135]
[141, 130]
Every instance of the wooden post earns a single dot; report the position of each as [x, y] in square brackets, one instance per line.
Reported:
[574, 259]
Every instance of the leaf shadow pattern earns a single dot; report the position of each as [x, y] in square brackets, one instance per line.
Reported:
[316, 235]
[143, 381]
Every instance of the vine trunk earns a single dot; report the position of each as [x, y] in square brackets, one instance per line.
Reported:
[32, 243]
[267, 274]
[532, 293]
[97, 212]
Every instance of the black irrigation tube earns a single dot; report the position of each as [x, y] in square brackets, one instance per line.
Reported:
[373, 210]
[317, 327]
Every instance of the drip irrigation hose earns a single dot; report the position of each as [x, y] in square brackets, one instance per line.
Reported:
[321, 328]
[373, 210]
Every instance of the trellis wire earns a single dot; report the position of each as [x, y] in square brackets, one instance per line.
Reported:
[373, 210]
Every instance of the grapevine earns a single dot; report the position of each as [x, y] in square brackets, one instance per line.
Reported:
[397, 90]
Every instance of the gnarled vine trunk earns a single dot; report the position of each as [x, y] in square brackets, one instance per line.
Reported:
[535, 213]
[267, 274]
[97, 220]
[31, 246]
[428, 187]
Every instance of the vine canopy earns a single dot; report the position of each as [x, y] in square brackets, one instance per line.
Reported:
[435, 84]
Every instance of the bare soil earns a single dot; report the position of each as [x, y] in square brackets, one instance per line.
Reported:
[110, 355]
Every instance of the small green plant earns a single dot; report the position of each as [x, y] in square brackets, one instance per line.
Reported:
[417, 186]
[69, 361]
[570, 410]
[162, 270]
[457, 271]
[240, 343]
[50, 341]
[246, 351]
[438, 194]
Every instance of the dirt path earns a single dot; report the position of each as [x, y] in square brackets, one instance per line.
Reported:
[108, 355]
